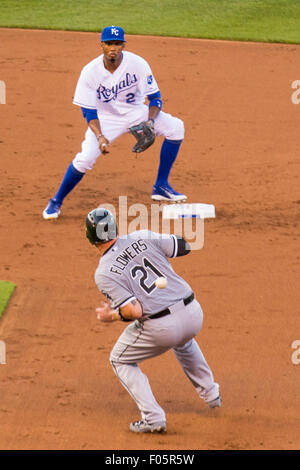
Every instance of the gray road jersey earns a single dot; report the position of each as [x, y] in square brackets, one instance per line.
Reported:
[129, 269]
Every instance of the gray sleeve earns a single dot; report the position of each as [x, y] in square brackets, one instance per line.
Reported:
[173, 245]
[166, 242]
[169, 245]
[117, 294]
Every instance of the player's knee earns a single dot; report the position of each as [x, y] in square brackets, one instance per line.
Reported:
[79, 166]
[177, 130]
[111, 360]
[112, 363]
[180, 128]
[114, 356]
[83, 162]
[118, 368]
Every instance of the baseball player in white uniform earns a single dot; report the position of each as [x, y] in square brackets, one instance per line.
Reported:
[111, 92]
[161, 319]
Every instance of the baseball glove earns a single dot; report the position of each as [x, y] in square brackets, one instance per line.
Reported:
[144, 134]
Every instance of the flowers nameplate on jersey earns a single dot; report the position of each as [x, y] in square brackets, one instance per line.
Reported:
[108, 94]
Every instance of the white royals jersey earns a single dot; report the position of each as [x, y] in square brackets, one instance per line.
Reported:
[117, 93]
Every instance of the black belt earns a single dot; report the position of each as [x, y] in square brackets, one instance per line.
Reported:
[167, 311]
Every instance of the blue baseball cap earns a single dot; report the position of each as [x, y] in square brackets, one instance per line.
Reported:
[112, 33]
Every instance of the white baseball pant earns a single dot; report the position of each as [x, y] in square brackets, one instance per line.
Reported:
[165, 124]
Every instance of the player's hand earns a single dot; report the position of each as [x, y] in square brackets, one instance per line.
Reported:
[103, 144]
[105, 313]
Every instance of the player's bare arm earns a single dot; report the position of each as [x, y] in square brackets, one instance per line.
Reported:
[131, 311]
[153, 112]
[94, 124]
[112, 51]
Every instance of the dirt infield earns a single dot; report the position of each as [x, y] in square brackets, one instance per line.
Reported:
[241, 153]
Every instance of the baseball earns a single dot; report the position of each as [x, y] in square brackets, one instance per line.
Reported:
[161, 282]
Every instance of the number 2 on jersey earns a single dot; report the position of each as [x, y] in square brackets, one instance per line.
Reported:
[147, 266]
[130, 98]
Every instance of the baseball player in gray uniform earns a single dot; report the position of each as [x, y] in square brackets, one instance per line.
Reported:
[161, 319]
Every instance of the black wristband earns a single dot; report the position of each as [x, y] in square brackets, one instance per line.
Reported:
[183, 247]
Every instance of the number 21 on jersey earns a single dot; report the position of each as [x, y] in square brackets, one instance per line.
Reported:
[142, 272]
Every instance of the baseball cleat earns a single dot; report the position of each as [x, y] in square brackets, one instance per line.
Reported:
[216, 403]
[167, 193]
[52, 210]
[143, 426]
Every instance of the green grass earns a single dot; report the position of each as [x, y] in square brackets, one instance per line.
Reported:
[6, 290]
[254, 20]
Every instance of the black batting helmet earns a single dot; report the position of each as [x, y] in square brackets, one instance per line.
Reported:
[101, 226]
